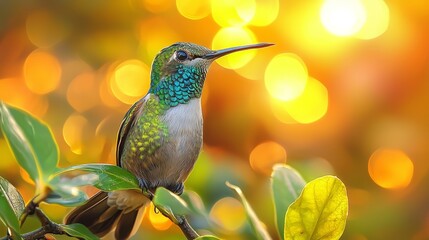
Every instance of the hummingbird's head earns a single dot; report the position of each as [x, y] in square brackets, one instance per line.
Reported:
[179, 71]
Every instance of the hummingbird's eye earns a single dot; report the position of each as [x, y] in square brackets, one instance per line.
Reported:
[181, 55]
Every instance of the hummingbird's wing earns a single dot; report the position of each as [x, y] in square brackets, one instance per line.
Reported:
[127, 123]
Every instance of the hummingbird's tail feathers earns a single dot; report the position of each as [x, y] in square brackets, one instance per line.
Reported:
[129, 223]
[100, 218]
[92, 208]
[95, 214]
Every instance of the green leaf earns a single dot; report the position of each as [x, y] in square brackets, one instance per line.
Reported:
[79, 231]
[67, 182]
[13, 197]
[199, 211]
[65, 189]
[12, 206]
[105, 177]
[207, 237]
[67, 200]
[170, 202]
[31, 142]
[320, 212]
[257, 226]
[195, 203]
[286, 185]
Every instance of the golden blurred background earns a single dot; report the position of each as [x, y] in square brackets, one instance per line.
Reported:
[344, 91]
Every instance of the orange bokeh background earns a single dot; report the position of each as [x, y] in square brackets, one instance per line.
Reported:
[344, 91]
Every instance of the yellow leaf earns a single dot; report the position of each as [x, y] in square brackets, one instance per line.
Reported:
[320, 212]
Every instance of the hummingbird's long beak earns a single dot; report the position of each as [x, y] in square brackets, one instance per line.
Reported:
[223, 52]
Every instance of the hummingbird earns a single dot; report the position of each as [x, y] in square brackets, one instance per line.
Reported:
[159, 139]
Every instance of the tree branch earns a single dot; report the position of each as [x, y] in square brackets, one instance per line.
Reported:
[187, 230]
[47, 227]
[180, 221]
[33, 204]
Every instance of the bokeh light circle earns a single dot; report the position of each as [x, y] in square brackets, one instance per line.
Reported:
[193, 10]
[158, 221]
[286, 76]
[343, 17]
[42, 72]
[105, 90]
[265, 155]
[43, 29]
[390, 168]
[280, 111]
[73, 132]
[377, 19]
[229, 213]
[229, 13]
[80, 92]
[232, 37]
[308, 107]
[130, 81]
[266, 12]
[157, 6]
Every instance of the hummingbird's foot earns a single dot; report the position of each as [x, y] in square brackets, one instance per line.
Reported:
[148, 194]
[176, 188]
[145, 189]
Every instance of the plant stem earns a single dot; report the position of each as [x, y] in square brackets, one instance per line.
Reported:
[33, 204]
[29, 210]
[180, 221]
[187, 230]
[47, 227]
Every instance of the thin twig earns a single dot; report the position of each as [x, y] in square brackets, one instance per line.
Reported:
[180, 221]
[29, 210]
[33, 204]
[47, 227]
[187, 230]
